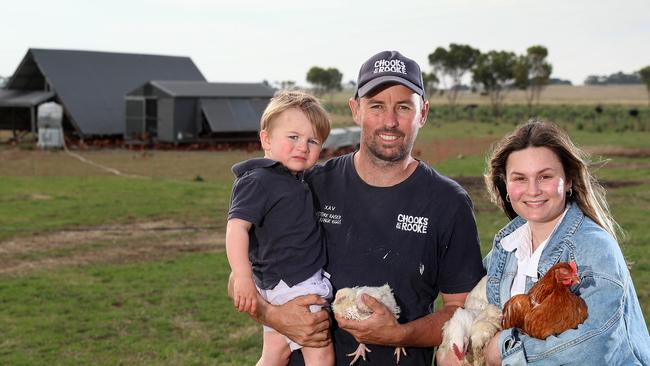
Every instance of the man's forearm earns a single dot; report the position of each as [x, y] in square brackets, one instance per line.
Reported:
[263, 314]
[426, 331]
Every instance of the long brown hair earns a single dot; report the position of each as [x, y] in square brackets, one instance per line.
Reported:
[586, 191]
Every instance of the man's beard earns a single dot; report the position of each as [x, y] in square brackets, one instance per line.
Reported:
[375, 149]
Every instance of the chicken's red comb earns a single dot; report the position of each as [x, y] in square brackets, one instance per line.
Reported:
[574, 267]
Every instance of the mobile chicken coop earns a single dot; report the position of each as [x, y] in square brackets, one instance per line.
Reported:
[195, 111]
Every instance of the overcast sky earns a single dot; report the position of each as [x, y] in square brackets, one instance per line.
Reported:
[254, 40]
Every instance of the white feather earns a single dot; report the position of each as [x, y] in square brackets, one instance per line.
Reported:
[485, 326]
[472, 327]
[348, 304]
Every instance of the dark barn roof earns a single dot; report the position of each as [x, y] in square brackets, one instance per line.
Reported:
[23, 98]
[201, 89]
[227, 107]
[92, 85]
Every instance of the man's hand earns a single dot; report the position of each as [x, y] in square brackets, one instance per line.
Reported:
[293, 319]
[381, 328]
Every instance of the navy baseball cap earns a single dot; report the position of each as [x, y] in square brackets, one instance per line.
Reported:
[389, 67]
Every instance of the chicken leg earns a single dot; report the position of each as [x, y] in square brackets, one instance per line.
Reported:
[360, 352]
[398, 352]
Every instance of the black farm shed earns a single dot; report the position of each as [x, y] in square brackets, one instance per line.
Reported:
[18, 108]
[89, 85]
[195, 111]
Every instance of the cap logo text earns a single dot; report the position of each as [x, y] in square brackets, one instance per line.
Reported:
[397, 66]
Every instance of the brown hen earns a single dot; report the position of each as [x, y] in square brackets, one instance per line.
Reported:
[550, 307]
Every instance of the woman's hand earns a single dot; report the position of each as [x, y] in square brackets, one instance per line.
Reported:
[492, 352]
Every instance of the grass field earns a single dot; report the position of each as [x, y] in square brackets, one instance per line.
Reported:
[631, 95]
[107, 270]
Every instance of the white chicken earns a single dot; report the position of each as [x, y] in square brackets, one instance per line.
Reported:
[470, 328]
[348, 304]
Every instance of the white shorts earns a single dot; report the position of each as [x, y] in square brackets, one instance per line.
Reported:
[317, 284]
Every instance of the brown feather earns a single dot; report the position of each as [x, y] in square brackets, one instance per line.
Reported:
[515, 310]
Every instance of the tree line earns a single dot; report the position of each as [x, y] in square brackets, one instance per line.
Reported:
[619, 78]
[493, 74]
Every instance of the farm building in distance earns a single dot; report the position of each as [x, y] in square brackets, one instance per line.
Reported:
[89, 85]
[190, 111]
[167, 96]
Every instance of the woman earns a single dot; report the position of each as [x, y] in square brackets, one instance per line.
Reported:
[559, 213]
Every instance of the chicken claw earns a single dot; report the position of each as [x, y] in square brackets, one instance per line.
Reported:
[360, 352]
[398, 352]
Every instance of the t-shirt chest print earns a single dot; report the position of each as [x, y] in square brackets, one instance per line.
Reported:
[416, 224]
[329, 216]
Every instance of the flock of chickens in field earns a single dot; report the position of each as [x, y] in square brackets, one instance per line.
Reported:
[549, 308]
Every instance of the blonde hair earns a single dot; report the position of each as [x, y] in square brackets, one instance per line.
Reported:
[586, 191]
[308, 104]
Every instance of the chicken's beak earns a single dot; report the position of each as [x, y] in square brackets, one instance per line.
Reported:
[576, 280]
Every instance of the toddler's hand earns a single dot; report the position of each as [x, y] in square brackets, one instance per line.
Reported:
[245, 295]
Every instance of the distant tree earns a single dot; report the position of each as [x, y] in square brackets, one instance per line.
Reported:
[3, 81]
[616, 78]
[335, 78]
[644, 73]
[318, 78]
[450, 65]
[623, 78]
[430, 83]
[285, 84]
[557, 81]
[325, 80]
[594, 80]
[532, 73]
[494, 72]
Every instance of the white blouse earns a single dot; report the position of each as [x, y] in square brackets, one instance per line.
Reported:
[527, 260]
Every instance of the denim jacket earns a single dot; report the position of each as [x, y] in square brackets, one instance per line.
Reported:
[614, 333]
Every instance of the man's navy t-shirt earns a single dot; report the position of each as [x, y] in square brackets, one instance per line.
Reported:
[418, 236]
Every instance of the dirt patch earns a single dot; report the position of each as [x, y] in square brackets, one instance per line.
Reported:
[618, 151]
[620, 183]
[440, 150]
[107, 244]
[471, 183]
[627, 165]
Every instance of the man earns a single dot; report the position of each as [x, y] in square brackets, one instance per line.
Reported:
[388, 218]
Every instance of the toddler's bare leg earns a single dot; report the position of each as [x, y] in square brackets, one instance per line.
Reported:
[275, 351]
[322, 356]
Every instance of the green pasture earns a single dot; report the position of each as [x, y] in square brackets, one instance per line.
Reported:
[173, 309]
[31, 205]
[170, 312]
